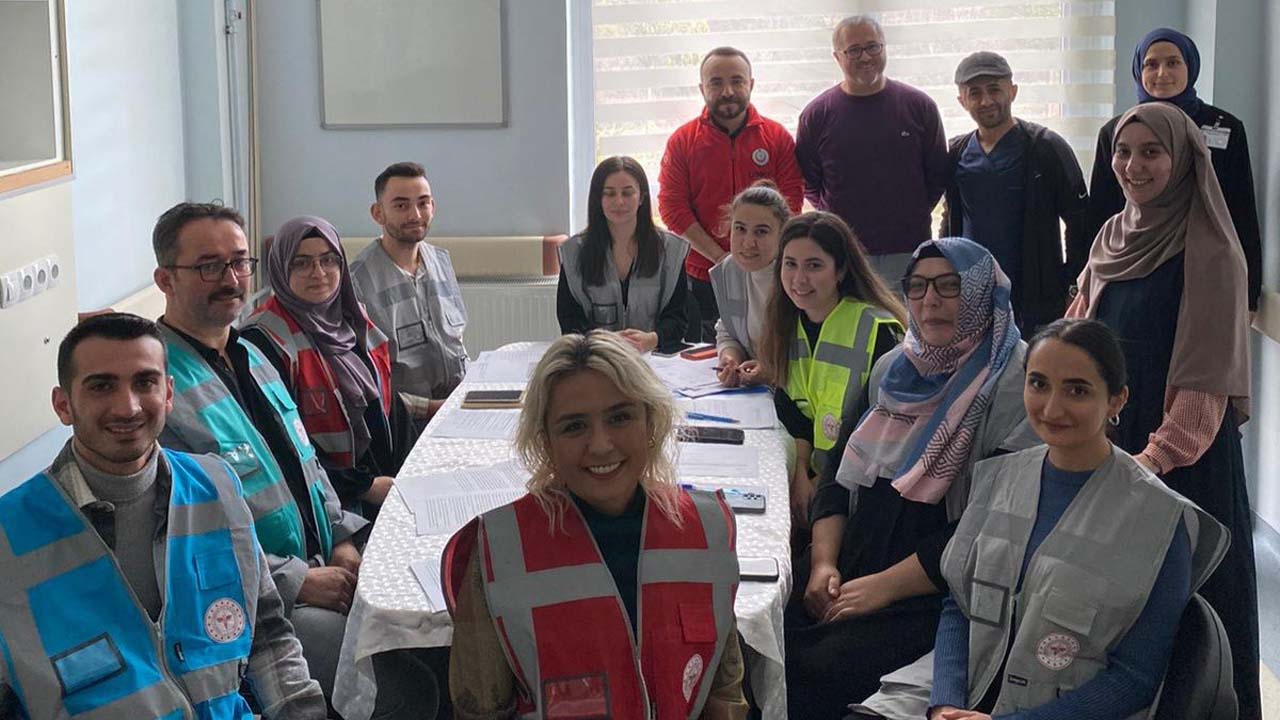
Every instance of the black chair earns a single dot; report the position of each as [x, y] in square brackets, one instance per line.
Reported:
[1197, 685]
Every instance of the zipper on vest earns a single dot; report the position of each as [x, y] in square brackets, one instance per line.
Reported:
[157, 638]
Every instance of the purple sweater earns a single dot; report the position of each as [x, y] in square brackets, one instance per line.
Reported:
[879, 162]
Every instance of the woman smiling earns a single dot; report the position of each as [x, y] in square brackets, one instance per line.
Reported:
[612, 587]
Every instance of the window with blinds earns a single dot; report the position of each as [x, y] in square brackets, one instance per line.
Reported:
[646, 55]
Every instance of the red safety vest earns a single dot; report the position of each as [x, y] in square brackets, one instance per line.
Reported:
[565, 630]
[316, 391]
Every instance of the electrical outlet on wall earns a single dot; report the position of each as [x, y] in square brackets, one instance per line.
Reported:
[9, 284]
[27, 284]
[55, 269]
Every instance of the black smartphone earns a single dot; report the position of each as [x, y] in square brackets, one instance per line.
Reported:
[711, 434]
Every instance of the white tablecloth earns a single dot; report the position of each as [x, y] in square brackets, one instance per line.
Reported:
[390, 611]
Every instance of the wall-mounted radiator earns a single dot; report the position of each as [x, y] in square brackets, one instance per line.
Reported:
[506, 311]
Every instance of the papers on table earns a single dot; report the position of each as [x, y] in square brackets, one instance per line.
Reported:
[506, 366]
[443, 502]
[713, 460]
[752, 410]
[477, 424]
[428, 574]
[691, 378]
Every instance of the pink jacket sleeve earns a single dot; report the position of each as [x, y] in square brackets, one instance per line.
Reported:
[1191, 422]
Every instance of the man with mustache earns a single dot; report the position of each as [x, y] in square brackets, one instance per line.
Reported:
[409, 289]
[710, 159]
[120, 548]
[1013, 182]
[229, 400]
[872, 151]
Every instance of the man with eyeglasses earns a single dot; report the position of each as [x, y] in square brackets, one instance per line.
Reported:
[1012, 182]
[872, 150]
[708, 161]
[229, 400]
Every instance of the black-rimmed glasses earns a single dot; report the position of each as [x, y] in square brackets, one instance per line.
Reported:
[214, 270]
[947, 286]
[871, 49]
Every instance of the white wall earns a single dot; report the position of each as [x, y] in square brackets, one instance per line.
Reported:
[487, 181]
[127, 145]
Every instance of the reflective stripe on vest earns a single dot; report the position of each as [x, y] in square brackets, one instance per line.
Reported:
[427, 354]
[85, 647]
[319, 400]
[825, 385]
[206, 418]
[646, 296]
[1080, 594]
[542, 586]
[729, 283]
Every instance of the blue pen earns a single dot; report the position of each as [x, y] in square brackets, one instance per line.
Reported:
[710, 418]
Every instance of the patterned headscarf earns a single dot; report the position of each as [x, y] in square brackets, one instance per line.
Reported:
[933, 398]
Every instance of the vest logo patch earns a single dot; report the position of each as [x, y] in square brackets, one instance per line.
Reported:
[831, 427]
[301, 431]
[224, 620]
[692, 672]
[760, 156]
[1056, 651]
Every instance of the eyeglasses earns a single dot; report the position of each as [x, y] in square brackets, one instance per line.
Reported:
[871, 49]
[214, 270]
[328, 262]
[947, 286]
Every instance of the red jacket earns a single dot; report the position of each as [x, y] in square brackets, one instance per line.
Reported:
[316, 390]
[703, 168]
[564, 628]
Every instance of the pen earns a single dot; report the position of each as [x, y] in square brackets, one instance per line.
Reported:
[710, 418]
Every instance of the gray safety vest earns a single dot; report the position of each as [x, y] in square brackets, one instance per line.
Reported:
[1084, 588]
[646, 296]
[423, 317]
[729, 282]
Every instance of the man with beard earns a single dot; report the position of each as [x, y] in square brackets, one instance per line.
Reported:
[1012, 182]
[410, 292]
[120, 548]
[229, 400]
[873, 152]
[708, 161]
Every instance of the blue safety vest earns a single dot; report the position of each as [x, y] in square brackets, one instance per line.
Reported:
[73, 636]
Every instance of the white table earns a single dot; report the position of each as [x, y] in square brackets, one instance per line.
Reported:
[390, 611]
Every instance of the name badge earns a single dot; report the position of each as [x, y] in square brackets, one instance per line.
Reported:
[1216, 137]
[411, 335]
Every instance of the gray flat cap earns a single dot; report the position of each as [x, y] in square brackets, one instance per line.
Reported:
[982, 63]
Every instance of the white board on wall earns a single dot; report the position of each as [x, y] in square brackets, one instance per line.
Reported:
[411, 62]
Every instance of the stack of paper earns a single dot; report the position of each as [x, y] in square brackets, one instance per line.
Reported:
[443, 502]
[691, 378]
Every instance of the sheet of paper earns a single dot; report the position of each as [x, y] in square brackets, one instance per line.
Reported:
[711, 460]
[428, 574]
[753, 411]
[477, 424]
[503, 367]
[490, 478]
[445, 515]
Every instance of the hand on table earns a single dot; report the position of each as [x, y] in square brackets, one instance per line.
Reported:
[727, 372]
[946, 712]
[750, 373]
[639, 339]
[378, 489]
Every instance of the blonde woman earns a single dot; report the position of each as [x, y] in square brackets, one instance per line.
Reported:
[549, 620]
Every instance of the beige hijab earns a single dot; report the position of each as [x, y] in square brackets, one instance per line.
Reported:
[1211, 345]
